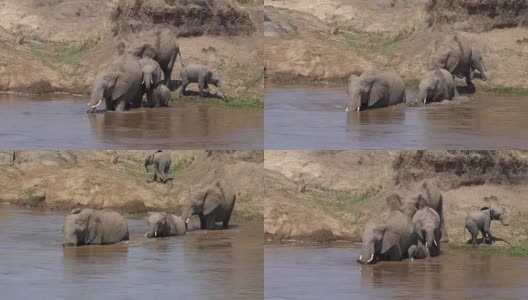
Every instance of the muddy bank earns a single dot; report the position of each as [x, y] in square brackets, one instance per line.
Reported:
[328, 40]
[66, 179]
[329, 195]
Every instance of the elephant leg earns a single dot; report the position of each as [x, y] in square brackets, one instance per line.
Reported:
[210, 222]
[469, 83]
[121, 106]
[168, 74]
[225, 222]
[206, 88]
[184, 85]
[202, 221]
[201, 85]
[474, 238]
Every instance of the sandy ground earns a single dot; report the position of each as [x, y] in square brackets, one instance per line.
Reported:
[329, 195]
[326, 40]
[66, 179]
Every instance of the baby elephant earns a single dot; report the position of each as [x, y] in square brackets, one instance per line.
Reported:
[162, 163]
[162, 225]
[481, 221]
[437, 85]
[418, 251]
[160, 96]
[94, 227]
[203, 76]
[373, 89]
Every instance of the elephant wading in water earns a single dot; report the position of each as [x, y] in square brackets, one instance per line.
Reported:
[118, 87]
[162, 225]
[481, 221]
[388, 237]
[427, 229]
[203, 76]
[160, 96]
[162, 47]
[94, 227]
[162, 163]
[456, 55]
[212, 204]
[152, 76]
[437, 85]
[375, 89]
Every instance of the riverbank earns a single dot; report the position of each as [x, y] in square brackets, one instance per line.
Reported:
[40, 55]
[330, 39]
[63, 180]
[323, 196]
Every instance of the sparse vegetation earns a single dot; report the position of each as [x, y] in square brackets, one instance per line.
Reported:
[491, 198]
[29, 192]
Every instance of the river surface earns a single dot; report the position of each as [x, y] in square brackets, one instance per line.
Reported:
[315, 119]
[221, 264]
[60, 122]
[332, 273]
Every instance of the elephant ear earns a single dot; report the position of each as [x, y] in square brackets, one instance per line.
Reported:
[390, 240]
[211, 201]
[121, 86]
[94, 230]
[157, 75]
[377, 88]
[418, 229]
[452, 61]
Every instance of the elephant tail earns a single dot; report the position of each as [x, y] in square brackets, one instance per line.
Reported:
[181, 59]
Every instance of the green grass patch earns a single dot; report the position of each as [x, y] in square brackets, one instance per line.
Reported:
[522, 41]
[505, 90]
[209, 50]
[29, 192]
[372, 44]
[242, 100]
[519, 250]
[491, 198]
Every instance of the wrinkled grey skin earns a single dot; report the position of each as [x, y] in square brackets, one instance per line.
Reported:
[481, 221]
[387, 238]
[152, 76]
[212, 204]
[160, 96]
[456, 55]
[118, 87]
[94, 227]
[374, 89]
[437, 85]
[196, 73]
[163, 225]
[418, 251]
[162, 163]
[162, 47]
[427, 229]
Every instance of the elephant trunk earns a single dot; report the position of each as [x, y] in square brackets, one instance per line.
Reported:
[367, 254]
[503, 222]
[219, 86]
[97, 101]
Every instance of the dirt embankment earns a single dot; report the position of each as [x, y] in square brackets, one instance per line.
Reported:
[67, 179]
[326, 40]
[60, 46]
[330, 195]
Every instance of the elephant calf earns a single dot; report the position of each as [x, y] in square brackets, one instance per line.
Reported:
[437, 85]
[427, 231]
[374, 89]
[94, 227]
[418, 251]
[481, 221]
[202, 75]
[160, 96]
[162, 225]
[162, 163]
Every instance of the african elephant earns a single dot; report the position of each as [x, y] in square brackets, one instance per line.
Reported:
[437, 85]
[202, 75]
[163, 224]
[212, 204]
[118, 87]
[160, 96]
[162, 163]
[94, 227]
[152, 76]
[477, 63]
[162, 47]
[481, 221]
[427, 229]
[387, 238]
[418, 251]
[456, 55]
[373, 89]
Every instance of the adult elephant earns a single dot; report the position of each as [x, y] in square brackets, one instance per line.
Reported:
[212, 204]
[163, 225]
[162, 163]
[427, 229]
[162, 47]
[118, 87]
[94, 227]
[481, 221]
[374, 89]
[437, 85]
[387, 238]
[456, 55]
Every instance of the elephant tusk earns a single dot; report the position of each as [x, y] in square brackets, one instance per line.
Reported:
[143, 82]
[146, 234]
[358, 109]
[436, 244]
[187, 221]
[412, 258]
[425, 100]
[360, 257]
[425, 244]
[98, 103]
[155, 233]
[371, 258]
[346, 109]
[151, 82]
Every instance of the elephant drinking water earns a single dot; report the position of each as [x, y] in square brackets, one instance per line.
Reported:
[163, 224]
[374, 89]
[437, 85]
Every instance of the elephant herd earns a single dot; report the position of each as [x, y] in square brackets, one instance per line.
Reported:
[141, 77]
[454, 56]
[415, 227]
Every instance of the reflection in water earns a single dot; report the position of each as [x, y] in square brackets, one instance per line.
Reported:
[308, 118]
[315, 273]
[55, 122]
[223, 264]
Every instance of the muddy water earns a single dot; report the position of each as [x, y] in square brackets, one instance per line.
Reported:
[222, 264]
[314, 118]
[332, 273]
[60, 122]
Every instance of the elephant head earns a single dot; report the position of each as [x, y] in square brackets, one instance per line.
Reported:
[426, 224]
[477, 63]
[81, 227]
[201, 203]
[106, 88]
[429, 86]
[366, 89]
[496, 214]
[149, 160]
[152, 74]
[354, 93]
[218, 83]
[157, 225]
[372, 237]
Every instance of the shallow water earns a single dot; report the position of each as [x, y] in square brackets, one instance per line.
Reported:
[332, 273]
[222, 264]
[314, 118]
[60, 122]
